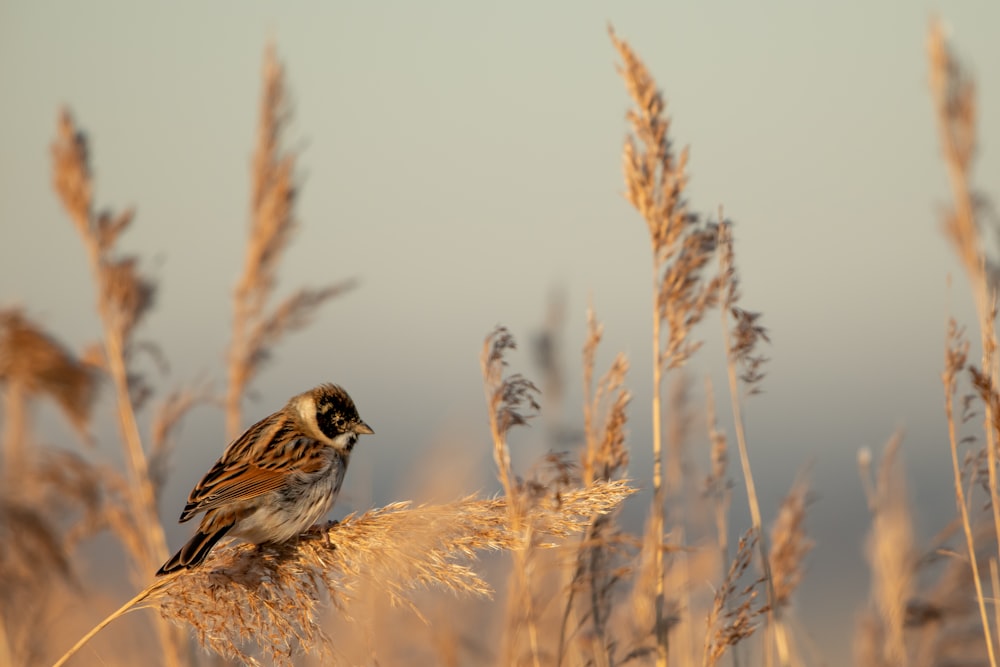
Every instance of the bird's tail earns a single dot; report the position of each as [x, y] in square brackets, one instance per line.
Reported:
[194, 552]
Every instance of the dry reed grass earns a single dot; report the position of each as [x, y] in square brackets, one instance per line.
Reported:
[601, 561]
[923, 609]
[655, 179]
[511, 400]
[954, 96]
[682, 248]
[943, 623]
[891, 553]
[256, 328]
[268, 597]
[673, 595]
[735, 610]
[50, 499]
[789, 543]
[124, 296]
[33, 364]
[744, 364]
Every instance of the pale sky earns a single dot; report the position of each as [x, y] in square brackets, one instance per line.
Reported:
[462, 160]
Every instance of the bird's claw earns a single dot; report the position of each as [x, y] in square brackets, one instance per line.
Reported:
[323, 530]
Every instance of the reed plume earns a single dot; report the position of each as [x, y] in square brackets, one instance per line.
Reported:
[954, 96]
[255, 603]
[124, 296]
[511, 401]
[655, 180]
[602, 557]
[735, 610]
[49, 499]
[744, 364]
[891, 555]
[789, 543]
[33, 365]
[257, 328]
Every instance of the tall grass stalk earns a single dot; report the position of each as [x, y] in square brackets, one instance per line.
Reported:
[956, 354]
[739, 341]
[954, 98]
[14, 428]
[731, 619]
[995, 586]
[890, 553]
[6, 654]
[655, 179]
[123, 297]
[49, 499]
[256, 327]
[604, 458]
[718, 488]
[511, 402]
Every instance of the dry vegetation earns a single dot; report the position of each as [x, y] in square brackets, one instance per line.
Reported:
[581, 590]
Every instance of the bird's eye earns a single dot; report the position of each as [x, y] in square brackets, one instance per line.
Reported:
[339, 422]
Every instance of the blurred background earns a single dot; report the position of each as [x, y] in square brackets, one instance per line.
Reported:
[462, 161]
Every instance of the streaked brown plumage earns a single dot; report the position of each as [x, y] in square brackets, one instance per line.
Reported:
[278, 478]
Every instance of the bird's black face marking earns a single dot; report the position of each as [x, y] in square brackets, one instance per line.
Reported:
[332, 423]
[335, 412]
[336, 415]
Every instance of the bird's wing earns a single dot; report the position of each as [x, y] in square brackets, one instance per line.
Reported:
[226, 483]
[244, 470]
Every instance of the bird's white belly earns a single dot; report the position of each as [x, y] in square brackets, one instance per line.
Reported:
[284, 514]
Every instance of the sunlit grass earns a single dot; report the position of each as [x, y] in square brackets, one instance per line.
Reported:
[574, 586]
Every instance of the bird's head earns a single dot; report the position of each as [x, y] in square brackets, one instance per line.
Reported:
[329, 412]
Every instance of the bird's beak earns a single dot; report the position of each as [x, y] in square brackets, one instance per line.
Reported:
[362, 427]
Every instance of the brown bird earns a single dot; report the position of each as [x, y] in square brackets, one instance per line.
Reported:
[278, 478]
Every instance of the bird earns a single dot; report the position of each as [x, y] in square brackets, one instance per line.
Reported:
[278, 478]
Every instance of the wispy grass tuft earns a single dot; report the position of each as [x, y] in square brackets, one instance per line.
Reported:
[602, 558]
[789, 543]
[261, 603]
[34, 365]
[735, 611]
[891, 555]
[511, 400]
